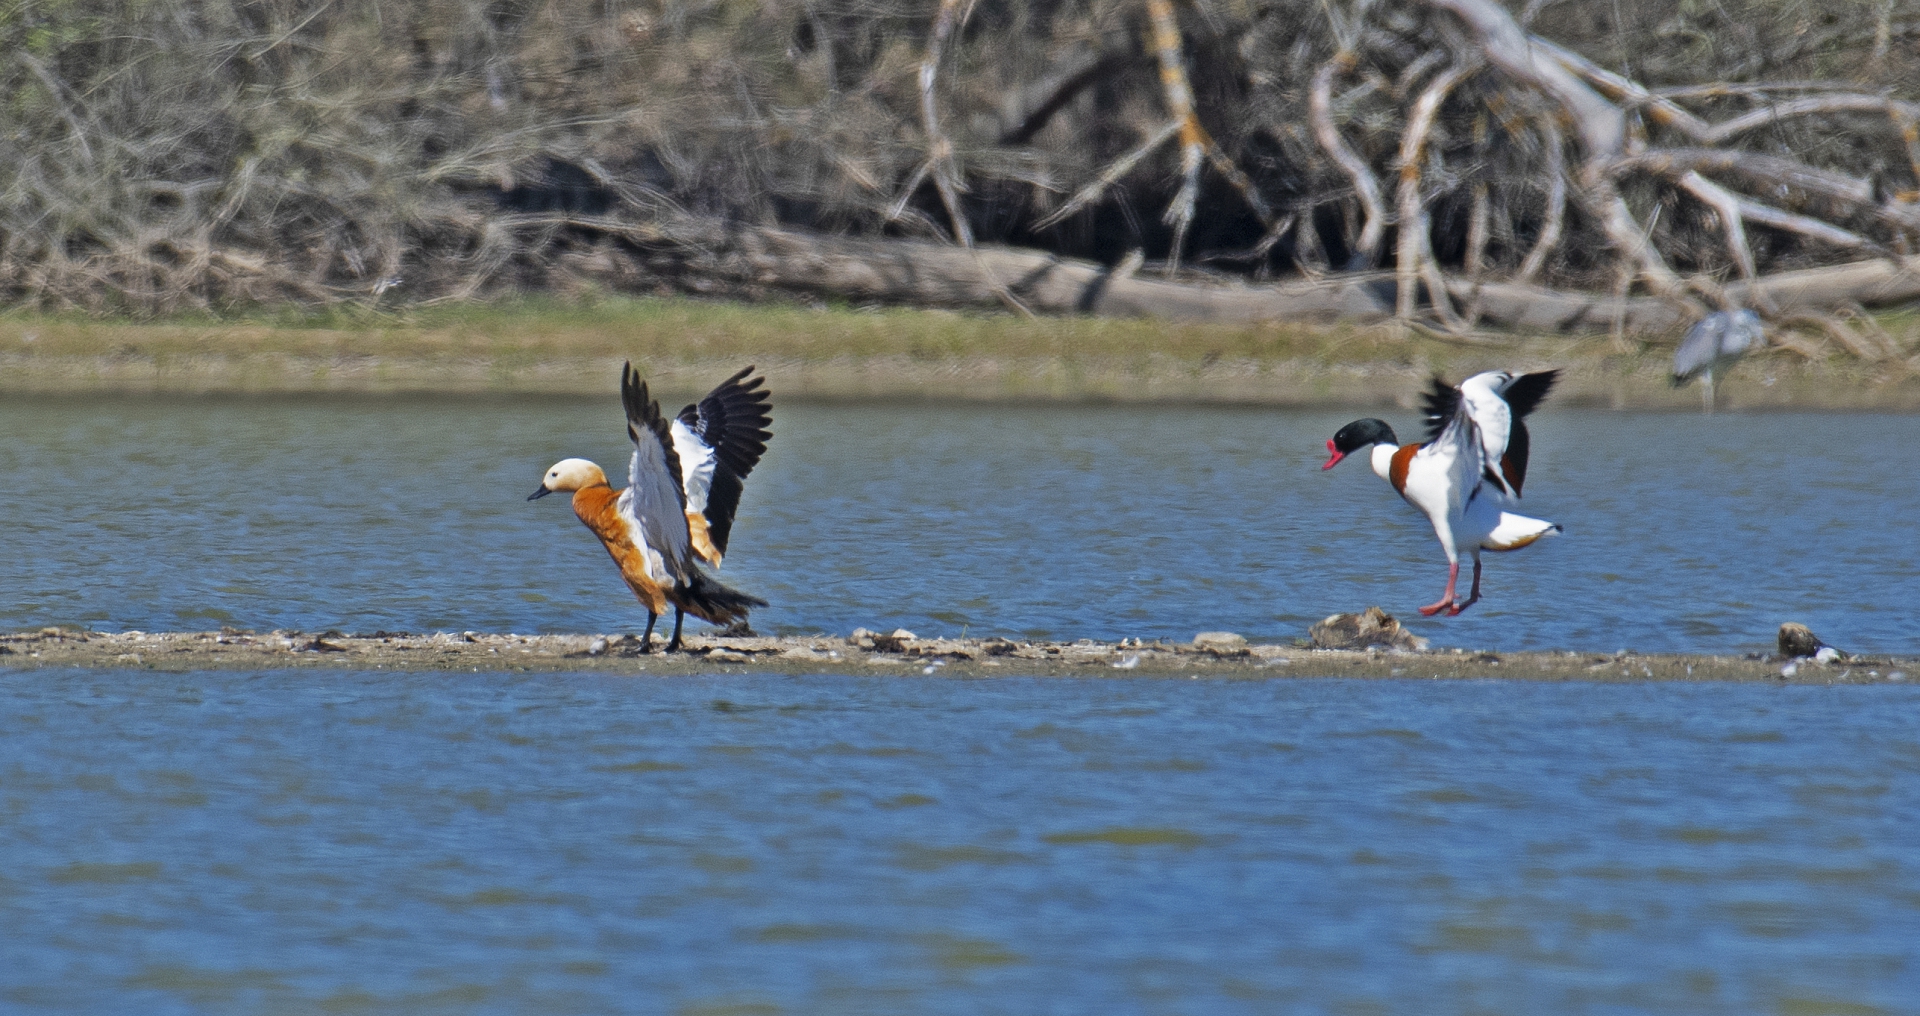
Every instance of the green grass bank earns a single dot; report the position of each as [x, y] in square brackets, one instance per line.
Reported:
[848, 353]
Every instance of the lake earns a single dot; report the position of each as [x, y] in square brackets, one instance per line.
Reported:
[1683, 533]
[580, 843]
[572, 843]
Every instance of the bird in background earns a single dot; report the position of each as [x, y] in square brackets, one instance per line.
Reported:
[644, 527]
[1713, 345]
[719, 440]
[1467, 473]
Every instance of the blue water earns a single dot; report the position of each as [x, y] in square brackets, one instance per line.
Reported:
[1683, 533]
[569, 843]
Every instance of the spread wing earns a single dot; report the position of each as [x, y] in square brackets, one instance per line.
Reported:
[1482, 422]
[1524, 394]
[1439, 404]
[653, 501]
[696, 462]
[1491, 422]
[1453, 438]
[731, 422]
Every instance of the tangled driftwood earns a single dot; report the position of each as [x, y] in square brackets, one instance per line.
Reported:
[1447, 162]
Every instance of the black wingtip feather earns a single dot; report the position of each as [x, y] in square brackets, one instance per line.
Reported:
[1525, 392]
[733, 420]
[1514, 464]
[644, 411]
[710, 601]
[1438, 404]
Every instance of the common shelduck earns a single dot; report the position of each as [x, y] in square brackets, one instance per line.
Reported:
[1713, 344]
[719, 440]
[644, 527]
[1470, 468]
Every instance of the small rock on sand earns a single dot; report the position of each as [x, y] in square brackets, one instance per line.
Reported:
[1375, 627]
[894, 643]
[1221, 643]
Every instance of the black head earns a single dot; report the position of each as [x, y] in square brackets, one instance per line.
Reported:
[1357, 435]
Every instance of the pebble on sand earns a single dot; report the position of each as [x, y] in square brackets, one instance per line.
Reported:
[1221, 643]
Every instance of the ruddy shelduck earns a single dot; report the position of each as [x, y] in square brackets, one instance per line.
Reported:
[644, 527]
[1467, 472]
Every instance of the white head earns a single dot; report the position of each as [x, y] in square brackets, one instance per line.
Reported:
[569, 474]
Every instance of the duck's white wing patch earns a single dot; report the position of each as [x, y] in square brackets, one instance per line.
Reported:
[637, 533]
[697, 460]
[651, 502]
[1454, 459]
[1480, 401]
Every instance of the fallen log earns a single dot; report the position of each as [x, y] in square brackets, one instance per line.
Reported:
[933, 274]
[1876, 283]
[923, 273]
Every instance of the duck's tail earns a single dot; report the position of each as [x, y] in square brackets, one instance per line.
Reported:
[1516, 531]
[712, 602]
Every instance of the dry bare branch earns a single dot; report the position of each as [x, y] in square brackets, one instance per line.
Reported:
[939, 148]
[1365, 186]
[1193, 140]
[1110, 176]
[1414, 251]
[1727, 206]
[1774, 113]
[1556, 175]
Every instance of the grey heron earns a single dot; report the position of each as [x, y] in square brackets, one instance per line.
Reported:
[1713, 344]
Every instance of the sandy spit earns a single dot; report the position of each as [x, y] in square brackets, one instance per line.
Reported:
[901, 655]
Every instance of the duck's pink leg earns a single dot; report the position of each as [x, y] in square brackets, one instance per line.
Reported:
[1472, 597]
[1453, 579]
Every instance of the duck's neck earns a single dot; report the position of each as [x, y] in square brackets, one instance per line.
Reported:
[1382, 459]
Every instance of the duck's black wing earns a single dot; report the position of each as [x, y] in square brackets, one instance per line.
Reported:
[1523, 395]
[733, 421]
[653, 500]
[1440, 404]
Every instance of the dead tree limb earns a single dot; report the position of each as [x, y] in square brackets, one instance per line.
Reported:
[1414, 249]
[940, 161]
[1110, 176]
[1365, 186]
[1773, 113]
[1727, 206]
[1556, 174]
[1808, 226]
[1600, 125]
[1193, 140]
[1065, 91]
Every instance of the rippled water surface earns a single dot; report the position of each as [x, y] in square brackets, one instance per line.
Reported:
[1683, 532]
[324, 842]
